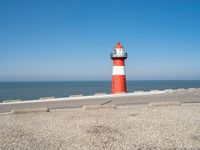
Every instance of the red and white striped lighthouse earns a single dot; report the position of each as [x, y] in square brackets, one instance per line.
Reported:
[118, 74]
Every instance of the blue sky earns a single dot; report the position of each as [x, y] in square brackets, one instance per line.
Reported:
[72, 39]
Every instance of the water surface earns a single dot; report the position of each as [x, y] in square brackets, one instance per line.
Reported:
[34, 90]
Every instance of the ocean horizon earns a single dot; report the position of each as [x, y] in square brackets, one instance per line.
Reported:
[31, 90]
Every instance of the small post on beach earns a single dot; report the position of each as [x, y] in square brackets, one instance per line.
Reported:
[118, 73]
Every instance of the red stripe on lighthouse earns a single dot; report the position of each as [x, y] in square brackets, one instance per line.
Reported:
[118, 84]
[118, 62]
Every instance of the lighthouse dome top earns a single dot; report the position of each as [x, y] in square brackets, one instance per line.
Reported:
[119, 46]
[118, 52]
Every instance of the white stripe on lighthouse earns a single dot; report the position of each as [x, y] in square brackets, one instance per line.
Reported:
[118, 70]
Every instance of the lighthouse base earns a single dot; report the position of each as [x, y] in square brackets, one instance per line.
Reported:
[119, 84]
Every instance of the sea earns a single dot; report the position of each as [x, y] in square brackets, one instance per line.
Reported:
[31, 90]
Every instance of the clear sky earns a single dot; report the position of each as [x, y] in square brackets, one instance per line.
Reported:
[72, 39]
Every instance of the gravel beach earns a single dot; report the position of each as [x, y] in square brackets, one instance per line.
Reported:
[134, 127]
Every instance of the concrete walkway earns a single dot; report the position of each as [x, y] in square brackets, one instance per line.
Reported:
[181, 95]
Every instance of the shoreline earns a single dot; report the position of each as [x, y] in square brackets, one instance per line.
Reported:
[191, 95]
[25, 91]
[96, 95]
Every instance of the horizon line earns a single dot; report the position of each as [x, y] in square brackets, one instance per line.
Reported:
[98, 80]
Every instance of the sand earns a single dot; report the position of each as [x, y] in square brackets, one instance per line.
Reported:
[127, 127]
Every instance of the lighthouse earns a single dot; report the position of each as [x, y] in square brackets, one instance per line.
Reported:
[118, 73]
